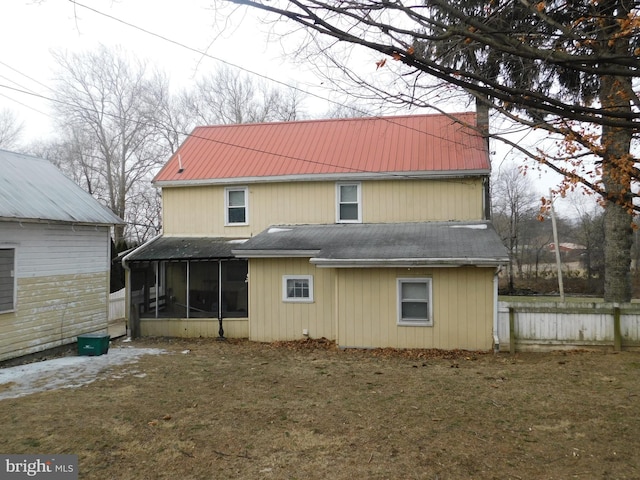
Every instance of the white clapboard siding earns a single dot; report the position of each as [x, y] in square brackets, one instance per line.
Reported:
[44, 250]
[540, 325]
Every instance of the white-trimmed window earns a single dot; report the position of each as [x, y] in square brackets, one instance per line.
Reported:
[349, 203]
[297, 288]
[7, 279]
[236, 206]
[414, 302]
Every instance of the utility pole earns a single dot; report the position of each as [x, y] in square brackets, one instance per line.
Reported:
[557, 248]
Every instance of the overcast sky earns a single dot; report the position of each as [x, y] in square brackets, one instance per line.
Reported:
[31, 29]
[194, 41]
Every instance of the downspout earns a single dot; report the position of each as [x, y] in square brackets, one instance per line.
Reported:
[188, 288]
[127, 294]
[220, 329]
[496, 337]
[157, 274]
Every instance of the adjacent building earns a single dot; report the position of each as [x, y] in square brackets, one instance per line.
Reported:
[55, 251]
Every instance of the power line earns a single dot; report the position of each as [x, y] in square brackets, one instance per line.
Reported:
[164, 38]
[251, 72]
[205, 54]
[243, 147]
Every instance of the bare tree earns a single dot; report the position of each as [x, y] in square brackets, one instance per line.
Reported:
[227, 97]
[75, 155]
[513, 201]
[144, 215]
[104, 109]
[173, 118]
[10, 129]
[569, 69]
[589, 224]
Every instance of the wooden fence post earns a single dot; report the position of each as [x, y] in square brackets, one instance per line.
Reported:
[512, 330]
[617, 335]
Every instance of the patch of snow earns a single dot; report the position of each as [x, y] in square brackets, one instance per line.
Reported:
[477, 226]
[65, 372]
[238, 240]
[278, 230]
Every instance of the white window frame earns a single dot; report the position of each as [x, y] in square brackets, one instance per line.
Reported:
[227, 206]
[13, 276]
[428, 322]
[339, 202]
[287, 298]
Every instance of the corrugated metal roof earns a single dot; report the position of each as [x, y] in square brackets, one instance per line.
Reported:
[412, 143]
[34, 189]
[184, 248]
[427, 243]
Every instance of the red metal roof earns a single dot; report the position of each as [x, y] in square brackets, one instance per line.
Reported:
[412, 143]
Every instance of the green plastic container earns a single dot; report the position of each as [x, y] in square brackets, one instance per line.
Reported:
[93, 344]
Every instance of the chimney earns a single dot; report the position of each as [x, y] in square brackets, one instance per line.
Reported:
[482, 118]
[482, 122]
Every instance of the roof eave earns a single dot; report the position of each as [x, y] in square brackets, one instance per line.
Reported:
[125, 259]
[60, 222]
[421, 175]
[275, 253]
[407, 262]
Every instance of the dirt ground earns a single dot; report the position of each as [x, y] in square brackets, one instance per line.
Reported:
[305, 410]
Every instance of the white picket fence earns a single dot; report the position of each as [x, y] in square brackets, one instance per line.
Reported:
[547, 326]
[116, 305]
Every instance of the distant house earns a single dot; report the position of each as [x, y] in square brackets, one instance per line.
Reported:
[54, 258]
[372, 232]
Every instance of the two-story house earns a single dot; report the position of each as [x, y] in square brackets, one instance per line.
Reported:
[371, 232]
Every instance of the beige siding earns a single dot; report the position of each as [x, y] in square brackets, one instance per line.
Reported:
[421, 201]
[193, 327]
[53, 311]
[358, 307]
[199, 211]
[271, 318]
[462, 309]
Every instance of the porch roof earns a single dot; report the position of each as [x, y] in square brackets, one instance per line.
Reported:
[184, 248]
[392, 244]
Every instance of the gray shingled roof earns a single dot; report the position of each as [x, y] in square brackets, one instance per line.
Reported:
[429, 243]
[34, 189]
[184, 248]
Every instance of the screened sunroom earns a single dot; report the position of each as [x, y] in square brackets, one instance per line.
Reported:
[187, 278]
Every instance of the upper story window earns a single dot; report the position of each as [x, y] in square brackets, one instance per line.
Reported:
[349, 203]
[236, 201]
[7, 279]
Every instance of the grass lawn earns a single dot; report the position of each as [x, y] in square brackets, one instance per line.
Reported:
[305, 410]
